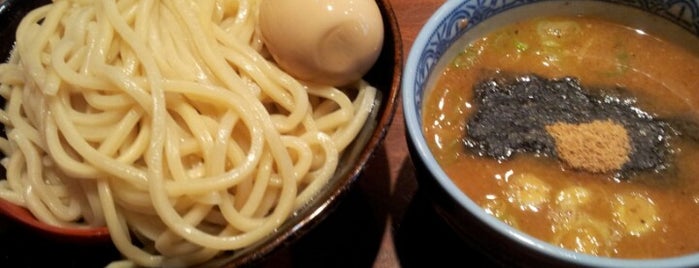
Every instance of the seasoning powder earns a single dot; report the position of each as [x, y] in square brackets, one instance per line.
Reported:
[598, 146]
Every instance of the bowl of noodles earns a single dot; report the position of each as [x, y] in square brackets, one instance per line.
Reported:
[560, 133]
[168, 129]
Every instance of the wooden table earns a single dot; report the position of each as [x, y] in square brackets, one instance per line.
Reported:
[385, 221]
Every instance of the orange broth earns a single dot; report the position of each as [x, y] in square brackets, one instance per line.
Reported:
[650, 215]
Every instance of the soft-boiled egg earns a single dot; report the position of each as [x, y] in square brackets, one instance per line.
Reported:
[331, 42]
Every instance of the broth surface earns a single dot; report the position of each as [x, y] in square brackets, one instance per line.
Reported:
[648, 215]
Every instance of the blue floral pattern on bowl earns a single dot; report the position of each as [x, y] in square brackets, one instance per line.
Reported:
[684, 13]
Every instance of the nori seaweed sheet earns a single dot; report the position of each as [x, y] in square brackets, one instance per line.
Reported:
[512, 112]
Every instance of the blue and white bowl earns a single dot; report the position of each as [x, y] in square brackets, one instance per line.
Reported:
[458, 22]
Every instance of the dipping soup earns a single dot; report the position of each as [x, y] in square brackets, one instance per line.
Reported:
[647, 213]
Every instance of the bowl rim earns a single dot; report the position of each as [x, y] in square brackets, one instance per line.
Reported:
[413, 125]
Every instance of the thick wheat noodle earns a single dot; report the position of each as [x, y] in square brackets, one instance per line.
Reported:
[167, 122]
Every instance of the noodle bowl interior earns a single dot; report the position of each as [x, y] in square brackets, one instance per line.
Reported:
[167, 122]
[647, 213]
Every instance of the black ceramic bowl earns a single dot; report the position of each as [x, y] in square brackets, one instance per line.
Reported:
[44, 244]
